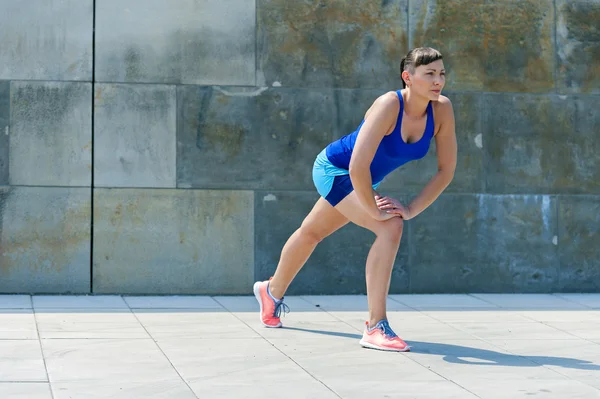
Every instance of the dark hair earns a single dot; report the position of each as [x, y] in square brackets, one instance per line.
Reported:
[417, 57]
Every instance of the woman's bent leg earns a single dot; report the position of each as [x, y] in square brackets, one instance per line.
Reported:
[380, 262]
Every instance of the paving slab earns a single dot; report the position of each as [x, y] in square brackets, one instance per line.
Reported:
[529, 301]
[459, 316]
[202, 324]
[17, 324]
[248, 367]
[514, 330]
[463, 360]
[21, 361]
[94, 323]
[564, 315]
[313, 330]
[79, 302]
[171, 302]
[589, 300]
[111, 368]
[25, 390]
[462, 346]
[333, 360]
[558, 389]
[441, 301]
[577, 360]
[15, 302]
[348, 302]
[588, 330]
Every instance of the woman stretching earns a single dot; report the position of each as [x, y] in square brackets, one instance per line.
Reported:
[396, 129]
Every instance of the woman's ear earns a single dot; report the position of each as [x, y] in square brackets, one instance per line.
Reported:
[406, 77]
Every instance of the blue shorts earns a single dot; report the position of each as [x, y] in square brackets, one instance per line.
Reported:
[332, 183]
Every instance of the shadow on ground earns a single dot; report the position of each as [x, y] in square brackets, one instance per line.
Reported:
[459, 354]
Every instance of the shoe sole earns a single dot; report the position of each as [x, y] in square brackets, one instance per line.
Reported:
[368, 345]
[256, 290]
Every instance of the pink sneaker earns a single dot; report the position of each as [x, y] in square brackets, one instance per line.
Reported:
[270, 309]
[382, 337]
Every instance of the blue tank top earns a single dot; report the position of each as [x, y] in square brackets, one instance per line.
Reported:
[392, 152]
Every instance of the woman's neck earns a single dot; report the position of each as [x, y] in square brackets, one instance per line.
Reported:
[414, 106]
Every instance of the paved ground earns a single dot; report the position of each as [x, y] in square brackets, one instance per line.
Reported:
[464, 346]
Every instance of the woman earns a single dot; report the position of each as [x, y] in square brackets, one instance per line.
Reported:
[396, 129]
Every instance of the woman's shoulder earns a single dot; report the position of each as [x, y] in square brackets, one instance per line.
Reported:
[442, 103]
[389, 98]
[442, 108]
[387, 102]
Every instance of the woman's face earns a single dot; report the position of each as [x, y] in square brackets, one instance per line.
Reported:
[428, 80]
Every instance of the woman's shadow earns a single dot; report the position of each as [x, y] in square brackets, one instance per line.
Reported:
[459, 354]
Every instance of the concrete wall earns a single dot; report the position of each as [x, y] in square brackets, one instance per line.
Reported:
[170, 150]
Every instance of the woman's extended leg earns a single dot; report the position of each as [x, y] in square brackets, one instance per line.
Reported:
[322, 221]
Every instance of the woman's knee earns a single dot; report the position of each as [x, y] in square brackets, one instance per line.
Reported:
[391, 229]
[310, 233]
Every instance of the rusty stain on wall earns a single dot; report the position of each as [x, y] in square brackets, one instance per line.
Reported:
[579, 45]
[180, 229]
[45, 241]
[337, 38]
[492, 46]
[223, 138]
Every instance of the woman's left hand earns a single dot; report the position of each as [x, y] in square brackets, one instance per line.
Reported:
[391, 205]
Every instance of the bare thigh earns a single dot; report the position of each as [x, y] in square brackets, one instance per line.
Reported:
[323, 220]
[351, 208]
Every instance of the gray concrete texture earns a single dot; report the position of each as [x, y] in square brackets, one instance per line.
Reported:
[182, 41]
[46, 39]
[134, 136]
[4, 130]
[180, 162]
[50, 134]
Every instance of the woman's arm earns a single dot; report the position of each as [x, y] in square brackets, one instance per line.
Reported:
[378, 123]
[446, 148]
